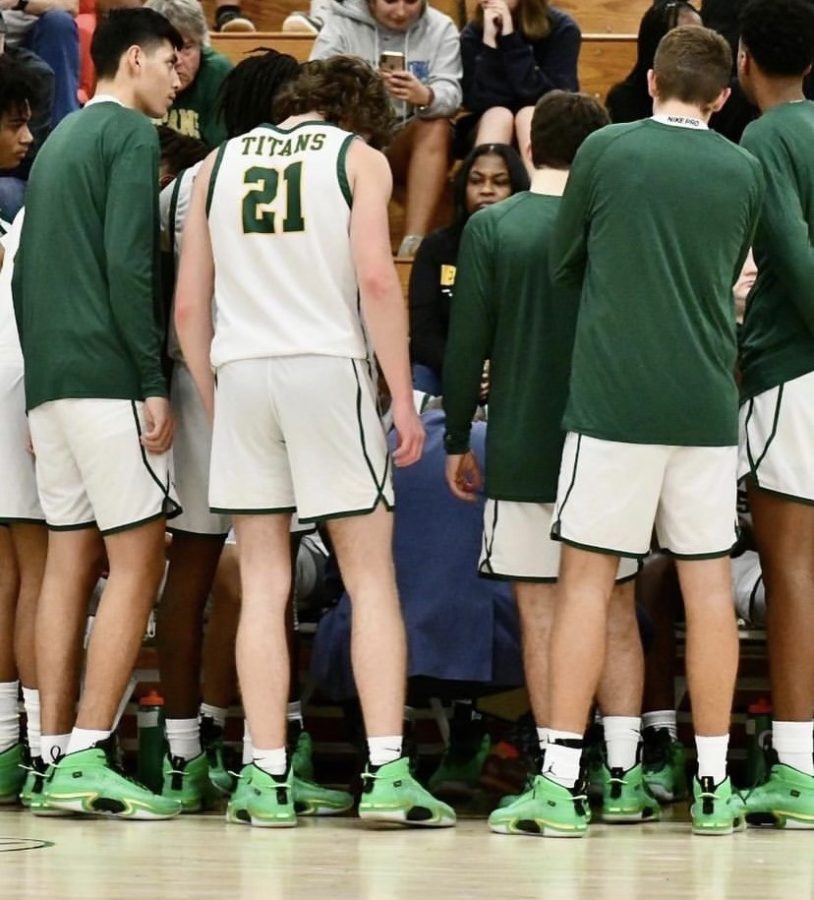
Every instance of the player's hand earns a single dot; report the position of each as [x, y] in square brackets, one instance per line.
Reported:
[404, 85]
[409, 435]
[463, 475]
[500, 15]
[159, 426]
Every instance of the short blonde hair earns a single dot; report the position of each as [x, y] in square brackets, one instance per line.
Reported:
[187, 16]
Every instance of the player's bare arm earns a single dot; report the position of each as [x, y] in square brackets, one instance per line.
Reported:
[383, 306]
[194, 289]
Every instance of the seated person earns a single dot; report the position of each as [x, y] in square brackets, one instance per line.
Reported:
[513, 52]
[47, 28]
[195, 112]
[421, 75]
[630, 100]
[491, 172]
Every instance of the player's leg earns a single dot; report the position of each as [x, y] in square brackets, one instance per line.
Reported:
[784, 530]
[30, 543]
[625, 796]
[10, 745]
[193, 559]
[363, 547]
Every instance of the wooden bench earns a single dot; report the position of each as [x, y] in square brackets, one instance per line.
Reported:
[593, 16]
[603, 60]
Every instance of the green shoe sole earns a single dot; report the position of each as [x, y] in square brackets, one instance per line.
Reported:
[241, 815]
[90, 803]
[400, 816]
[316, 807]
[537, 828]
[621, 816]
[738, 824]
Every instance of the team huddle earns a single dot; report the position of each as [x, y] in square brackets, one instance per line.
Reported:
[601, 300]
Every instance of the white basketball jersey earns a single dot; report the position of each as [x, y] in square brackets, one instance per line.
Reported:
[279, 219]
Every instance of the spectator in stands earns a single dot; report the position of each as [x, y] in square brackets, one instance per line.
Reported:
[229, 17]
[17, 93]
[425, 90]
[47, 28]
[195, 112]
[513, 52]
[630, 100]
[490, 173]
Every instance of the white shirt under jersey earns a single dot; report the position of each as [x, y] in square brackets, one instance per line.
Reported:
[10, 352]
[279, 220]
[173, 206]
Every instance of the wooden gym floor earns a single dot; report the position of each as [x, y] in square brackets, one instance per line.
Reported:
[202, 857]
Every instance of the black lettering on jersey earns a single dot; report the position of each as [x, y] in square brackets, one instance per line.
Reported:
[247, 142]
[260, 141]
[318, 141]
[272, 146]
[286, 150]
[302, 142]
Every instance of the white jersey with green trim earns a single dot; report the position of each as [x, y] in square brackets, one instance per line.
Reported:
[279, 220]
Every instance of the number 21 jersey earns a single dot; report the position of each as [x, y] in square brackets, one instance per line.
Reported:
[279, 217]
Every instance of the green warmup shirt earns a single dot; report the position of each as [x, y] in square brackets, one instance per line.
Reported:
[655, 225]
[505, 309]
[86, 279]
[777, 339]
[196, 111]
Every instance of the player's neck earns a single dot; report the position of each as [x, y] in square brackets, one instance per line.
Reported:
[550, 182]
[680, 110]
[776, 92]
[110, 87]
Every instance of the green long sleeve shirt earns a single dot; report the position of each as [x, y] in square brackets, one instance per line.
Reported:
[86, 279]
[196, 111]
[777, 341]
[506, 309]
[655, 225]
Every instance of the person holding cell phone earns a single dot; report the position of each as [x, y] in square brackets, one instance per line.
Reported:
[417, 52]
[513, 52]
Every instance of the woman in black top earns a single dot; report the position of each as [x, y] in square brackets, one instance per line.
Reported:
[513, 52]
[629, 100]
[490, 173]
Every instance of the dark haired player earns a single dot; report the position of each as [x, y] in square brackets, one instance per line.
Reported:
[777, 361]
[90, 330]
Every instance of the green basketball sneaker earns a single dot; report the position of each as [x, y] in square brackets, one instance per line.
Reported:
[89, 782]
[311, 799]
[547, 810]
[263, 800]
[187, 781]
[12, 773]
[665, 765]
[785, 799]
[391, 794]
[716, 808]
[458, 773]
[302, 757]
[626, 798]
[220, 775]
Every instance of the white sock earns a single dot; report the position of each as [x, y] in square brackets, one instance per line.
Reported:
[84, 739]
[9, 715]
[383, 750]
[794, 745]
[271, 761]
[248, 750]
[53, 746]
[622, 736]
[542, 739]
[31, 701]
[216, 713]
[184, 737]
[662, 718]
[294, 713]
[561, 761]
[712, 757]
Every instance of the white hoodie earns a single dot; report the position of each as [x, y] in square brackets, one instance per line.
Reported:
[431, 48]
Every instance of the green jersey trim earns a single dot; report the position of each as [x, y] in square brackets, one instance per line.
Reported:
[213, 177]
[139, 522]
[348, 513]
[300, 125]
[342, 169]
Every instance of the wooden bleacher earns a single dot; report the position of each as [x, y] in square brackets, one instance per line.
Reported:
[593, 16]
[603, 60]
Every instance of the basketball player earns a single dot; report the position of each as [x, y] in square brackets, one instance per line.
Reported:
[777, 419]
[272, 232]
[101, 428]
[652, 410]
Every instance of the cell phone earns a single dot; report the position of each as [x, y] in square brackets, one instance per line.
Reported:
[392, 61]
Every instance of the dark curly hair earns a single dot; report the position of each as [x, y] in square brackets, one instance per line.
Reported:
[346, 91]
[779, 34]
[19, 90]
